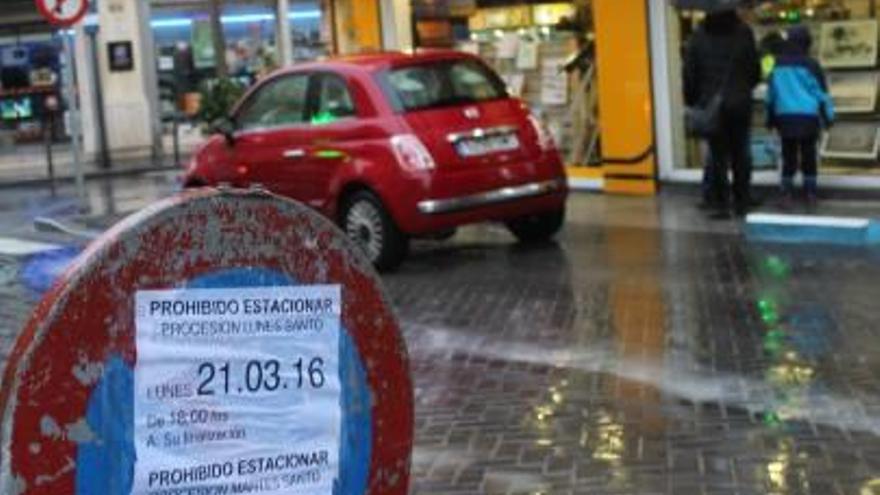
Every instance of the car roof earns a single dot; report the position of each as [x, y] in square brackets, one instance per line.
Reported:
[374, 62]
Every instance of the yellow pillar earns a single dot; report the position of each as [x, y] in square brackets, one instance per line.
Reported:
[626, 117]
[358, 26]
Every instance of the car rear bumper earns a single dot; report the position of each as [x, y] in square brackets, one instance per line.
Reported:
[493, 197]
[416, 215]
[449, 197]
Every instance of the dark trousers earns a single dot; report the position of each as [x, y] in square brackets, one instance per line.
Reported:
[799, 153]
[730, 150]
[706, 184]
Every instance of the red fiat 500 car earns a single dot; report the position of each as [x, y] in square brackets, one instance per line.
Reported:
[392, 146]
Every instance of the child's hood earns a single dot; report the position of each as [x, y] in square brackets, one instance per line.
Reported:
[800, 39]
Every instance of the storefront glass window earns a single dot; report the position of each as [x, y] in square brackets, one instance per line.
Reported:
[185, 50]
[845, 43]
[542, 52]
[30, 90]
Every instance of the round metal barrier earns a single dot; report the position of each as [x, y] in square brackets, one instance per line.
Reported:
[217, 342]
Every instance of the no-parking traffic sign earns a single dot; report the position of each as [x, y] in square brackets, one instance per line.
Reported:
[216, 342]
[63, 13]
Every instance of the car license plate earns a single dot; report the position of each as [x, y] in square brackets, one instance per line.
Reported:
[485, 145]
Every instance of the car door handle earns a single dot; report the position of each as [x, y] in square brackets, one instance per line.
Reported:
[294, 154]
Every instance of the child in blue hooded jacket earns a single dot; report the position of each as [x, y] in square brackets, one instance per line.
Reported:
[798, 107]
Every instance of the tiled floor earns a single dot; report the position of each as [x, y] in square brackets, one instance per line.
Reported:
[648, 352]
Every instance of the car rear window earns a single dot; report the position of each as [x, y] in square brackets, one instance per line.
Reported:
[441, 84]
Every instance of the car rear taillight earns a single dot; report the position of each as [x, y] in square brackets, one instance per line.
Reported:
[545, 138]
[411, 153]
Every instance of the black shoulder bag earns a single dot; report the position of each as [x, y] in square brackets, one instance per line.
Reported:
[705, 121]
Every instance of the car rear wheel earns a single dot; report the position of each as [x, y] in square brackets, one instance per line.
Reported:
[368, 224]
[538, 227]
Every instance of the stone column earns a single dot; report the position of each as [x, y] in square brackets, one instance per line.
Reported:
[150, 73]
[283, 38]
[130, 96]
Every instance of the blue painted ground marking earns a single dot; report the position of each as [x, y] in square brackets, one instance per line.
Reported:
[798, 229]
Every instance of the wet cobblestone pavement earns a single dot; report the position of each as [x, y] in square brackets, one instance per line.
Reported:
[647, 352]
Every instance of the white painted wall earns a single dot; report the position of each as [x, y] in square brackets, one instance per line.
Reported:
[86, 84]
[129, 112]
[396, 16]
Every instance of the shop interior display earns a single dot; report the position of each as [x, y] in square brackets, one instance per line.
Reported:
[185, 55]
[848, 44]
[16, 108]
[531, 45]
[848, 52]
[29, 74]
[15, 56]
[852, 140]
[765, 149]
[531, 62]
[530, 49]
[14, 78]
[434, 33]
[854, 92]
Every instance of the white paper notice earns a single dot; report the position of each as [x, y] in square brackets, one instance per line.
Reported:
[166, 63]
[507, 45]
[527, 56]
[237, 390]
[554, 83]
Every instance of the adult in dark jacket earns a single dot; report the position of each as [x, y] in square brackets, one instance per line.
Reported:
[722, 58]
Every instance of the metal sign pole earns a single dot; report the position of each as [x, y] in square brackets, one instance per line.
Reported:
[73, 113]
[103, 143]
[47, 140]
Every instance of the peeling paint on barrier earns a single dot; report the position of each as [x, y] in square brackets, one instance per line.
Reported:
[68, 395]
